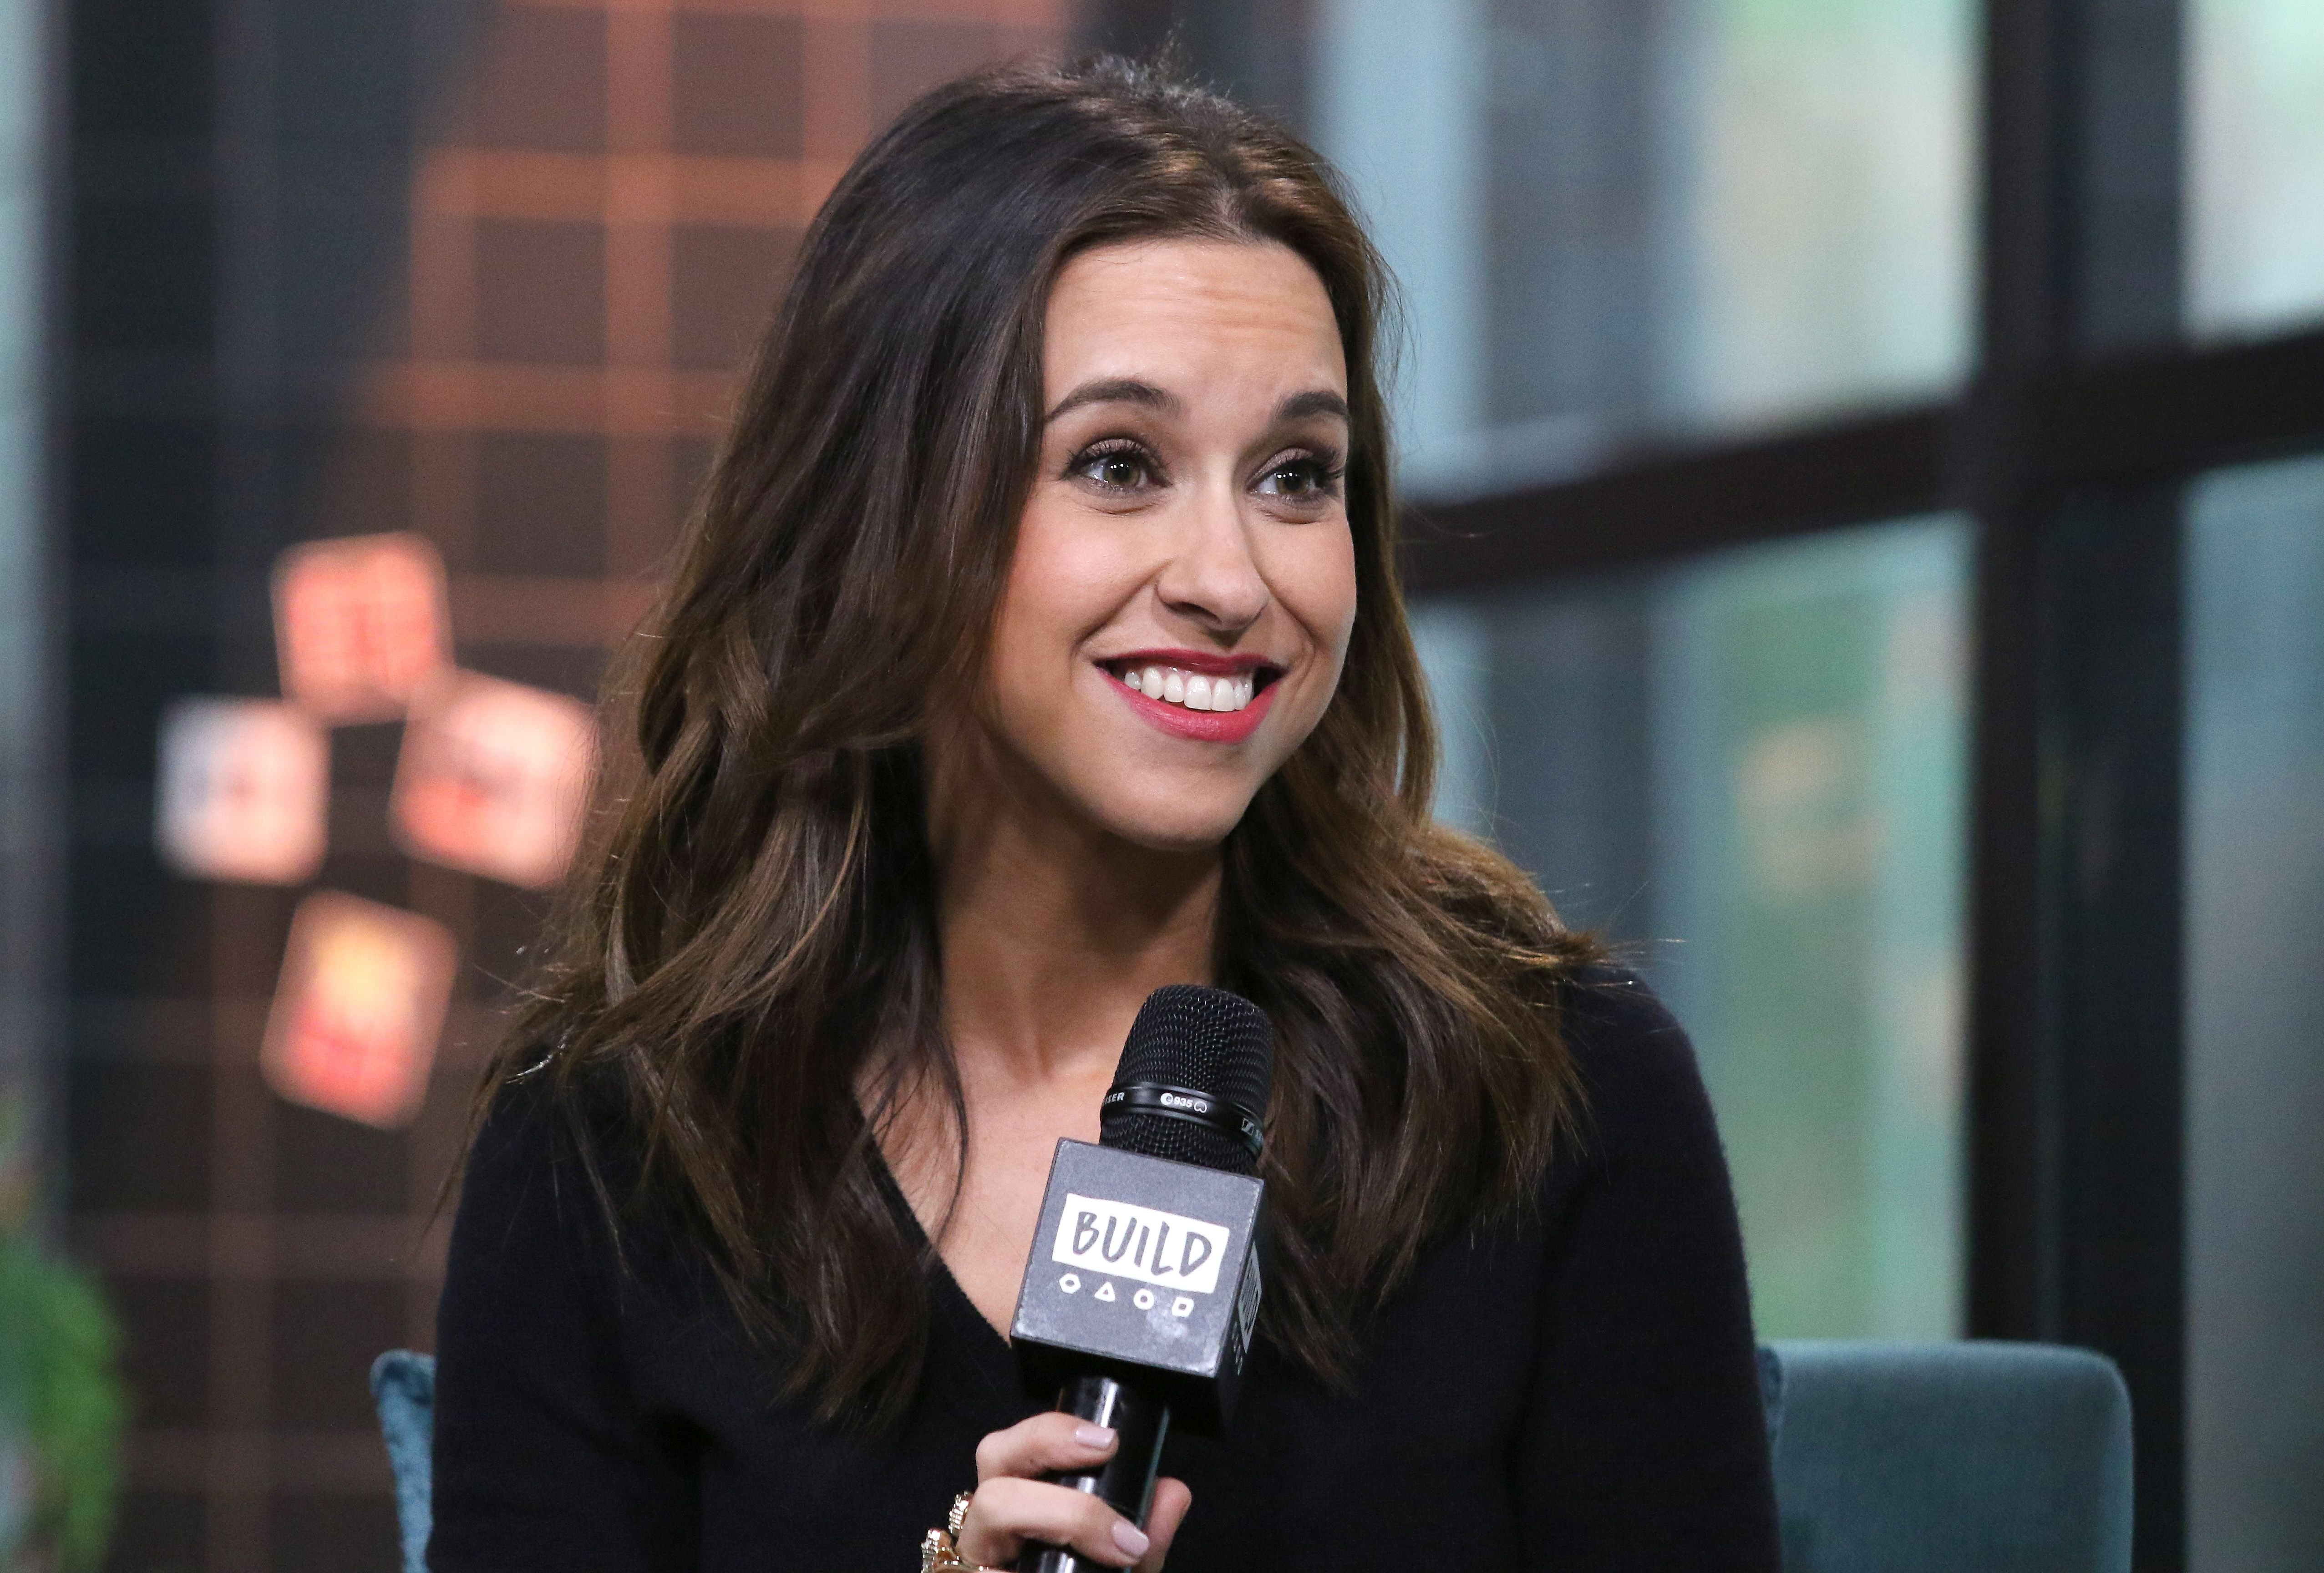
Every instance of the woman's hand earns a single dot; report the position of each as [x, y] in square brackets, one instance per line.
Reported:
[1013, 1504]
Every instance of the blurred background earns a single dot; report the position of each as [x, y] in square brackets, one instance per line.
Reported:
[1867, 461]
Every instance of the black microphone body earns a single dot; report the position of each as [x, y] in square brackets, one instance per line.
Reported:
[1141, 1418]
[1144, 1281]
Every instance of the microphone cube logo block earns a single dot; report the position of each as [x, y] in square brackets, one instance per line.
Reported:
[1144, 1263]
[1118, 1239]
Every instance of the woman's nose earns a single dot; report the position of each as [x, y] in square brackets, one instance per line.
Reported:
[1213, 577]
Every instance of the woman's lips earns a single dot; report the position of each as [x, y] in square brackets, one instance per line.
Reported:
[1208, 726]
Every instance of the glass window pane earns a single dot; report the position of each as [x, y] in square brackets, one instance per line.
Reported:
[2256, 150]
[1612, 217]
[1749, 771]
[2255, 1020]
[25, 803]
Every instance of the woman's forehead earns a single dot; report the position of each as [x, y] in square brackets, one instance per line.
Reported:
[1167, 310]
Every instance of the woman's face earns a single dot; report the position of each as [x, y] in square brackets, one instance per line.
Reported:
[1178, 607]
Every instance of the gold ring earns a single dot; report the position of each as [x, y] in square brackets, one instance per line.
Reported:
[940, 1549]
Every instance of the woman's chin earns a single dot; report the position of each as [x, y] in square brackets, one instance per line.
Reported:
[1176, 827]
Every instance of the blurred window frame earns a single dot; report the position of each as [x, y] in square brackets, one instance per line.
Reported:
[2091, 406]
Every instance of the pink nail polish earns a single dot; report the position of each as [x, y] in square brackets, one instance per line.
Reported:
[1131, 1539]
[1093, 1436]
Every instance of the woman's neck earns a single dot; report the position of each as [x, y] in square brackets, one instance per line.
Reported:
[1054, 931]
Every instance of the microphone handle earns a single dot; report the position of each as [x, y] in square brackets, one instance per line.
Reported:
[1125, 1482]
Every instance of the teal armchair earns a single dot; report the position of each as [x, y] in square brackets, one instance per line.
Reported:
[1948, 1457]
[1890, 1457]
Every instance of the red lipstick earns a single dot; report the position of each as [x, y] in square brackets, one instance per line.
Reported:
[1210, 663]
[1209, 726]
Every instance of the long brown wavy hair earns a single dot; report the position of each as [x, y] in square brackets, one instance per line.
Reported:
[755, 942]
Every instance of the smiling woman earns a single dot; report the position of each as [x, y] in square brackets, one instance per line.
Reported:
[1038, 643]
[1186, 521]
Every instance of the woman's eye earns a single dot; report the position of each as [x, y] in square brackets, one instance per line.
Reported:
[1302, 479]
[1121, 470]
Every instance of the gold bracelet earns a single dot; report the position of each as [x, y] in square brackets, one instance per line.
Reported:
[940, 1549]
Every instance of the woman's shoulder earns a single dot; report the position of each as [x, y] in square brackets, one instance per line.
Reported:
[548, 1156]
[1607, 1008]
[539, 1116]
[1639, 1079]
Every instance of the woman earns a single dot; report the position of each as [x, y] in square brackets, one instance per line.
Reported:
[1038, 643]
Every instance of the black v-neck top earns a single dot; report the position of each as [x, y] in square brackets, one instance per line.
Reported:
[1576, 1392]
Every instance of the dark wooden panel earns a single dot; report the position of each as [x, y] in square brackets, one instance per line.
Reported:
[2184, 411]
[1674, 502]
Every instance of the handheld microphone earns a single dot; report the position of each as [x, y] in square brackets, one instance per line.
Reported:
[1143, 1286]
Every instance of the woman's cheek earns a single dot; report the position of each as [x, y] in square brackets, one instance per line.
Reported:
[1058, 589]
[1315, 582]
[1071, 574]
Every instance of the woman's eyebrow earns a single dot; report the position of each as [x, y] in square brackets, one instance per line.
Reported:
[1116, 390]
[1314, 402]
[1131, 391]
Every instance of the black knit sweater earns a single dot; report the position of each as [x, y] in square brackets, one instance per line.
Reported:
[1574, 1393]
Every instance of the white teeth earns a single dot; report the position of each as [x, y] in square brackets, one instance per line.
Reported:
[1194, 690]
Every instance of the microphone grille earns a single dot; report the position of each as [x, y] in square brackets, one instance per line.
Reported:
[1206, 1040]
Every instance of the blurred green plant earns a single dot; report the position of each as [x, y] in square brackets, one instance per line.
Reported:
[61, 1405]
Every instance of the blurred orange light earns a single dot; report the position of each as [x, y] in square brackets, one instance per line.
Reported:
[359, 624]
[492, 778]
[357, 1012]
[245, 791]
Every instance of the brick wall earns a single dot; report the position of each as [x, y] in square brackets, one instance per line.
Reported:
[481, 272]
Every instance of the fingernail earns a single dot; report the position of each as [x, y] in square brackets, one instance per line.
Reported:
[1093, 1436]
[1131, 1539]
